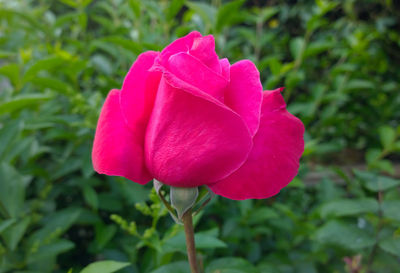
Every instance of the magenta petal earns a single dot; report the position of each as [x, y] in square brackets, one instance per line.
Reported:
[203, 48]
[183, 44]
[225, 68]
[191, 141]
[117, 150]
[244, 93]
[139, 90]
[274, 159]
[193, 71]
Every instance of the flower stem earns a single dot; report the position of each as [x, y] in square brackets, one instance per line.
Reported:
[190, 246]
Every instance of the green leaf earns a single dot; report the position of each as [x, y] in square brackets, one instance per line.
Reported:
[8, 133]
[318, 47]
[49, 63]
[228, 14]
[375, 182]
[11, 71]
[56, 224]
[359, 84]
[13, 234]
[52, 83]
[104, 267]
[344, 235]
[391, 209]
[391, 245]
[22, 102]
[205, 11]
[5, 224]
[46, 252]
[387, 136]
[5, 54]
[258, 215]
[173, 8]
[203, 241]
[90, 196]
[104, 233]
[71, 3]
[231, 265]
[12, 190]
[175, 267]
[296, 46]
[346, 207]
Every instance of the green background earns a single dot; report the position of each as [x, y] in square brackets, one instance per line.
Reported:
[340, 64]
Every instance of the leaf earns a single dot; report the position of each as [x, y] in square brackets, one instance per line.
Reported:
[56, 224]
[12, 190]
[44, 64]
[104, 267]
[203, 241]
[391, 209]
[5, 224]
[231, 265]
[13, 234]
[391, 245]
[375, 182]
[258, 215]
[173, 8]
[346, 207]
[175, 267]
[11, 71]
[46, 252]
[104, 233]
[205, 11]
[5, 54]
[387, 136]
[359, 84]
[102, 64]
[22, 102]
[344, 235]
[229, 14]
[8, 133]
[52, 83]
[71, 3]
[296, 46]
[318, 47]
[90, 196]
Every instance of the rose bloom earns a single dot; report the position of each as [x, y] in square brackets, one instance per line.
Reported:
[187, 118]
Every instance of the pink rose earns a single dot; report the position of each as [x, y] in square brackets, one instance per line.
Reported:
[187, 118]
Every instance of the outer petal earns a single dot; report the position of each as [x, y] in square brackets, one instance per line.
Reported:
[225, 68]
[191, 141]
[203, 48]
[244, 93]
[274, 159]
[139, 91]
[183, 44]
[117, 150]
[193, 71]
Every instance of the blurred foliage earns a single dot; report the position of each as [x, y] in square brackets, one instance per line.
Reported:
[339, 62]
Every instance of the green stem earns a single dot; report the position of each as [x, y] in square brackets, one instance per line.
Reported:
[190, 245]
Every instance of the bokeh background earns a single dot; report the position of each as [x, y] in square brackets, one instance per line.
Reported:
[340, 64]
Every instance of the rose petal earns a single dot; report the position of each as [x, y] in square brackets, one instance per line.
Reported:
[183, 44]
[203, 48]
[244, 93]
[191, 141]
[194, 72]
[139, 90]
[274, 159]
[117, 150]
[225, 67]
